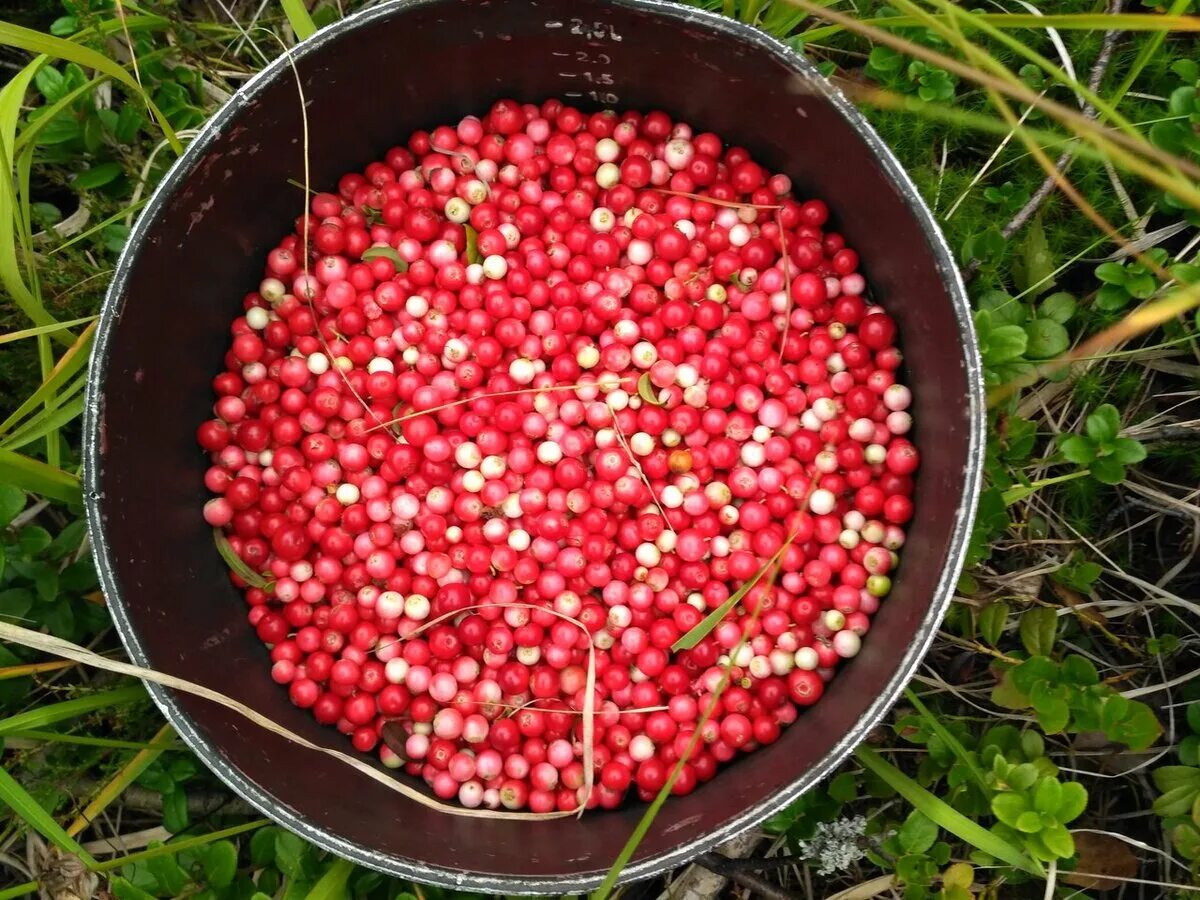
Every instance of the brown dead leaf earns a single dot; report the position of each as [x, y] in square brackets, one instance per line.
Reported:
[1089, 616]
[394, 737]
[1108, 756]
[1099, 856]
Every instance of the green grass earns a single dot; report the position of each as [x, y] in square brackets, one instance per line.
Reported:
[1081, 571]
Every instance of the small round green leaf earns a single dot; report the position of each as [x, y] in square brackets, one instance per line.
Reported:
[646, 390]
[1047, 796]
[1077, 449]
[918, 832]
[388, 253]
[1073, 802]
[1058, 841]
[1047, 338]
[1127, 451]
[1029, 822]
[220, 864]
[1107, 470]
[1058, 307]
[1008, 806]
[1104, 423]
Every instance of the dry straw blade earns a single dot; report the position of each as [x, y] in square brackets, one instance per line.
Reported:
[19, 800]
[1123, 148]
[58, 647]
[37, 477]
[125, 777]
[36, 42]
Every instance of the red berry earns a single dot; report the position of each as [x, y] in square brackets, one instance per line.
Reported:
[453, 479]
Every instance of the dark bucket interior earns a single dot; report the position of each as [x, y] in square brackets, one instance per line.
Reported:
[199, 247]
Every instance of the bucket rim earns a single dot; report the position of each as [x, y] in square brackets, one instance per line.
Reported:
[264, 800]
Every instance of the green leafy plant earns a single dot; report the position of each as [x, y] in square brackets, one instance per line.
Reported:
[1068, 695]
[78, 133]
[1179, 800]
[1008, 197]
[1033, 807]
[1178, 132]
[1123, 282]
[917, 852]
[1101, 449]
[169, 778]
[928, 82]
[1077, 573]
[1015, 334]
[45, 576]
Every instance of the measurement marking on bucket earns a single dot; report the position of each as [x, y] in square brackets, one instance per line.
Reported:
[597, 31]
[593, 63]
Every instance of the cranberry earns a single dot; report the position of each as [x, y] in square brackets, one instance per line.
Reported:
[462, 482]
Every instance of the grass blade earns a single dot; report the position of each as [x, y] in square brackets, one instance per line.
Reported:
[1120, 146]
[53, 665]
[11, 217]
[37, 477]
[1141, 22]
[946, 816]
[298, 18]
[947, 738]
[70, 709]
[55, 737]
[647, 819]
[99, 226]
[332, 885]
[44, 329]
[128, 774]
[36, 42]
[46, 423]
[178, 846]
[238, 565]
[713, 619]
[35, 816]
[68, 365]
[1151, 47]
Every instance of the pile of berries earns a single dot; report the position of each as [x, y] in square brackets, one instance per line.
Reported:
[545, 389]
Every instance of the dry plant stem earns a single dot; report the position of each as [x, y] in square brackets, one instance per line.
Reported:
[732, 204]
[200, 803]
[1133, 151]
[305, 217]
[759, 886]
[1064, 184]
[1170, 433]
[122, 844]
[641, 472]
[1027, 212]
[977, 55]
[696, 882]
[416, 414]
[787, 285]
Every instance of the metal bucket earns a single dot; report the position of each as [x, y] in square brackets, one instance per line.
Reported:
[369, 81]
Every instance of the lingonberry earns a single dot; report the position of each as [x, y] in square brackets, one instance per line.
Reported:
[575, 401]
